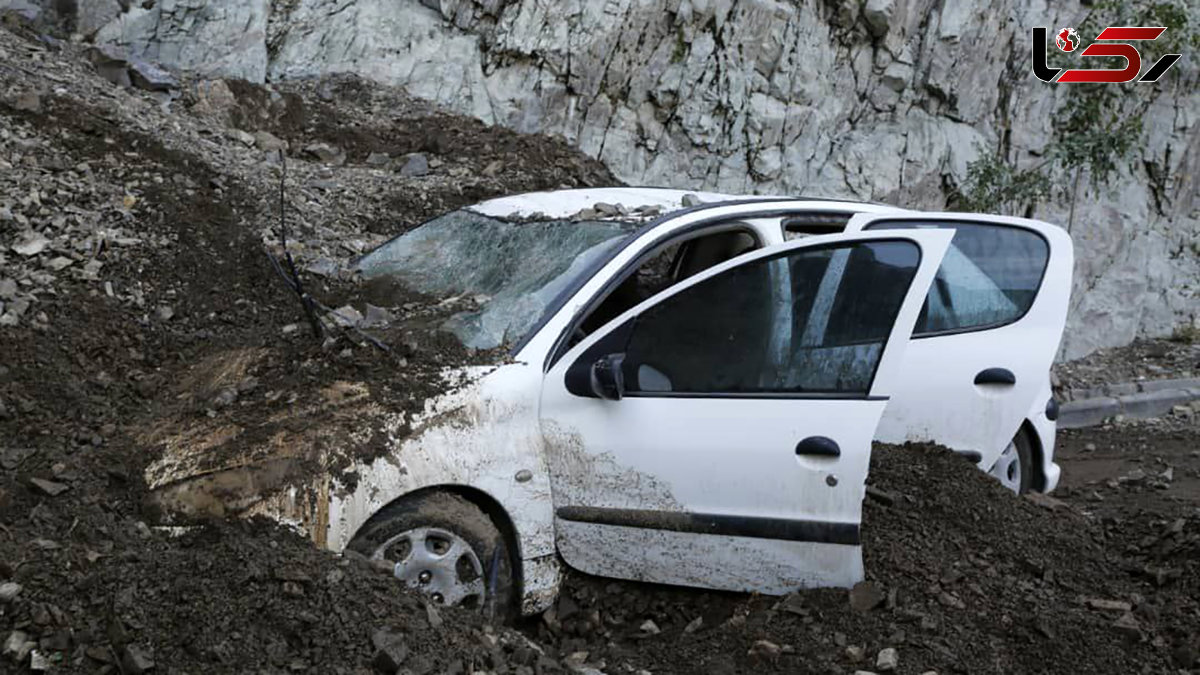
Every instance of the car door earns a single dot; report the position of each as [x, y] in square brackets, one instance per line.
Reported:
[979, 362]
[718, 434]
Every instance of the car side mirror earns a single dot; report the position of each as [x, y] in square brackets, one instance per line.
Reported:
[607, 379]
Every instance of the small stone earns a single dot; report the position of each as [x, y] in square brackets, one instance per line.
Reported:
[1135, 476]
[887, 659]
[60, 263]
[1046, 501]
[866, 596]
[605, 209]
[8, 289]
[244, 137]
[431, 613]
[1128, 625]
[15, 645]
[765, 649]
[1089, 447]
[390, 651]
[326, 153]
[379, 159]
[290, 328]
[322, 267]
[883, 497]
[347, 316]
[165, 313]
[951, 600]
[693, 625]
[39, 662]
[135, 661]
[49, 487]
[9, 591]
[376, 316]
[855, 654]
[415, 166]
[32, 244]
[1109, 605]
[493, 168]
[268, 142]
[690, 200]
[648, 627]
[148, 76]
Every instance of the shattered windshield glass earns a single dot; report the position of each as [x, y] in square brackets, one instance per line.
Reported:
[511, 271]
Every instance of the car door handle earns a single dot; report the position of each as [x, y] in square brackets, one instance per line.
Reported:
[995, 376]
[818, 446]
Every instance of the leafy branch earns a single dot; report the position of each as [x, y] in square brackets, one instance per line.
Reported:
[1097, 129]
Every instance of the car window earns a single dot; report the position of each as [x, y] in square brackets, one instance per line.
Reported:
[814, 320]
[989, 277]
[666, 267]
[511, 271]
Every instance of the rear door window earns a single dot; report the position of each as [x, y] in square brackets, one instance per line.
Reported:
[989, 278]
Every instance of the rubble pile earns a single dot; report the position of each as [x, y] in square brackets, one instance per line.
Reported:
[961, 577]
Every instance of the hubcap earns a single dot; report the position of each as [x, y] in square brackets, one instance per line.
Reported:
[1008, 468]
[436, 562]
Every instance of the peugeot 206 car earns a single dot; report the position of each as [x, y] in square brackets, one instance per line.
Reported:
[691, 392]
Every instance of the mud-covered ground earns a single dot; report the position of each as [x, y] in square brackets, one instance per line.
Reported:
[138, 300]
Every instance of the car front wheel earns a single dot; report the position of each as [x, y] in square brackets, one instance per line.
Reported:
[445, 547]
[1014, 468]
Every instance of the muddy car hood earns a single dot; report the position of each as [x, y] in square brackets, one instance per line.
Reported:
[213, 466]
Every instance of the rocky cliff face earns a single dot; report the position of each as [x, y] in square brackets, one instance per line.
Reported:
[879, 99]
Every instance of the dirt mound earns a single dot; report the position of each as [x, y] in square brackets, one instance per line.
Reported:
[135, 295]
[962, 576]
[95, 590]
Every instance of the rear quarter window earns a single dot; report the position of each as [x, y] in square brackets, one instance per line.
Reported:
[989, 277]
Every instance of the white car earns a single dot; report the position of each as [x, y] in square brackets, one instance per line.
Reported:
[693, 391]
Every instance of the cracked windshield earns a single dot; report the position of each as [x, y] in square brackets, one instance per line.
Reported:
[509, 272]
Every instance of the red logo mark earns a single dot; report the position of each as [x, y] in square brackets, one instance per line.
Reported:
[1068, 40]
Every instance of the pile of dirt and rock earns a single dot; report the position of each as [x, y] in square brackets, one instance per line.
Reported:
[962, 576]
[137, 293]
[1145, 359]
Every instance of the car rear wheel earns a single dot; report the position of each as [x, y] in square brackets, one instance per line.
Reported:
[1014, 468]
[445, 547]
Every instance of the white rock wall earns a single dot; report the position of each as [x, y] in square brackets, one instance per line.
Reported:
[881, 100]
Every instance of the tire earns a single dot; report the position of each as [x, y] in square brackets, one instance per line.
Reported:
[1014, 468]
[430, 517]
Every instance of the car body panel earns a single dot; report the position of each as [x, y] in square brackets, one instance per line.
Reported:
[641, 484]
[939, 370]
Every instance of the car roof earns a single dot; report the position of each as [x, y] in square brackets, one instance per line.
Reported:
[565, 203]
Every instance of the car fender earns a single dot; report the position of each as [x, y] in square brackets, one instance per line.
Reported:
[324, 468]
[484, 437]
